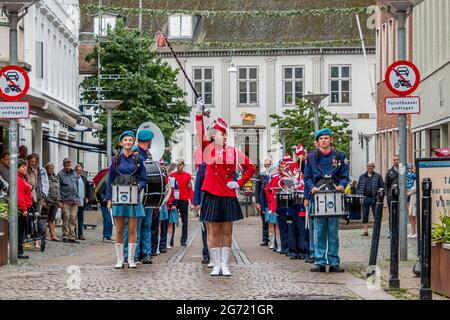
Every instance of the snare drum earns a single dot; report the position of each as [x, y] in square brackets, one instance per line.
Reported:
[329, 203]
[284, 200]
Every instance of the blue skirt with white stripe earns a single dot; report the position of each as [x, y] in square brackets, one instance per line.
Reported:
[126, 210]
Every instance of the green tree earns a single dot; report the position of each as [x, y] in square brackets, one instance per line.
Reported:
[147, 85]
[300, 120]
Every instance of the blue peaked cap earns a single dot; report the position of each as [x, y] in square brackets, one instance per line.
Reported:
[145, 135]
[127, 134]
[322, 132]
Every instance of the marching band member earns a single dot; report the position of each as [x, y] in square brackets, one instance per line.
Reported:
[126, 169]
[143, 247]
[261, 177]
[220, 207]
[163, 218]
[297, 232]
[286, 164]
[325, 162]
[269, 195]
[183, 196]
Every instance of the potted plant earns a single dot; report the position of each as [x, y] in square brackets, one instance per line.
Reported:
[440, 254]
[4, 208]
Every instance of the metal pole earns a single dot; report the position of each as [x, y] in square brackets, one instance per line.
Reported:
[109, 136]
[376, 233]
[394, 281]
[403, 143]
[316, 117]
[140, 17]
[425, 270]
[13, 148]
[367, 150]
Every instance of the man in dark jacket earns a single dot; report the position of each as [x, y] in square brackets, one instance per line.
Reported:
[368, 186]
[261, 177]
[391, 179]
[68, 183]
[84, 190]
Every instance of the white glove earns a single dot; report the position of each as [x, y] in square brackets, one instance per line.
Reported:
[233, 185]
[200, 104]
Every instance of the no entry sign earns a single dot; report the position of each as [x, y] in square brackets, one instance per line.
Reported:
[402, 78]
[14, 83]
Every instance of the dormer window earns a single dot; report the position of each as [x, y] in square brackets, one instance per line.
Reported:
[181, 26]
[108, 21]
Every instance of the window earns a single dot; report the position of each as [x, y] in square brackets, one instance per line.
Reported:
[108, 21]
[39, 60]
[248, 85]
[181, 26]
[435, 140]
[340, 81]
[203, 83]
[292, 84]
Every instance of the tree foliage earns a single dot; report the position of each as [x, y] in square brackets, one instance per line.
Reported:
[146, 84]
[300, 120]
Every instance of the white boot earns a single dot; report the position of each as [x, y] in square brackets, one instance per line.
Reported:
[278, 244]
[225, 260]
[169, 236]
[272, 242]
[131, 252]
[119, 254]
[215, 257]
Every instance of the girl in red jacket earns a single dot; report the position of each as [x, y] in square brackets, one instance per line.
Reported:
[220, 207]
[24, 202]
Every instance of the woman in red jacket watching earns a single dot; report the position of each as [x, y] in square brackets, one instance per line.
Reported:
[24, 202]
[220, 207]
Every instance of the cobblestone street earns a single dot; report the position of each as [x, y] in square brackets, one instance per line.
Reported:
[84, 271]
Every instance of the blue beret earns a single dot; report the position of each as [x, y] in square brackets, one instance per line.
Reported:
[322, 132]
[145, 135]
[126, 134]
[135, 148]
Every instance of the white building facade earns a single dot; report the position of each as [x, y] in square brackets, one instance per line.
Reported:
[431, 54]
[266, 82]
[48, 47]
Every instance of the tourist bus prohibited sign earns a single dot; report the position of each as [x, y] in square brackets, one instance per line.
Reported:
[402, 78]
[14, 83]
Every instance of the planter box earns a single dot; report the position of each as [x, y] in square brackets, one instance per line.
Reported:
[440, 269]
[4, 229]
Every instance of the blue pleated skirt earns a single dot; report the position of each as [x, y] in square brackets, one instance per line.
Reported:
[163, 214]
[220, 209]
[131, 211]
[271, 217]
[173, 216]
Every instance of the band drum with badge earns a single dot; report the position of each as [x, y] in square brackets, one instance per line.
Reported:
[157, 190]
[353, 205]
[329, 203]
[125, 189]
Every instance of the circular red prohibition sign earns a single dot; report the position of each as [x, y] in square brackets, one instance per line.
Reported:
[14, 83]
[402, 78]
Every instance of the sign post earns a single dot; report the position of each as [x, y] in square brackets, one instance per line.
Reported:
[402, 78]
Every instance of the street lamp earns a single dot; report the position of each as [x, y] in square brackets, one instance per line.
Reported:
[12, 9]
[109, 106]
[366, 137]
[401, 9]
[316, 99]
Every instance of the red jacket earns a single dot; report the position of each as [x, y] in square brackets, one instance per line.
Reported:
[184, 186]
[24, 194]
[221, 165]
[271, 192]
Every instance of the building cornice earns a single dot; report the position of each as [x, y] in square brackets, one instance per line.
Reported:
[267, 52]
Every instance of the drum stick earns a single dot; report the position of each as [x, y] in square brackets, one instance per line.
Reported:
[112, 218]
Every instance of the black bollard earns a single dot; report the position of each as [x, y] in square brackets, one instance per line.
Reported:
[394, 281]
[425, 270]
[376, 233]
